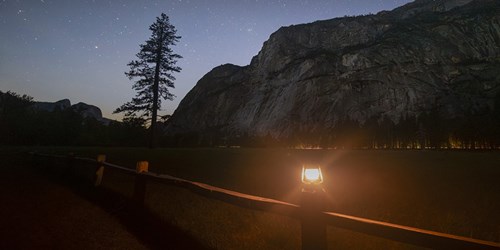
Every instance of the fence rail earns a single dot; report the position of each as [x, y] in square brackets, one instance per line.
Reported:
[404, 234]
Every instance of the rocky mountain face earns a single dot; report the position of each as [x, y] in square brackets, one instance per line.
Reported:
[429, 55]
[52, 106]
[85, 110]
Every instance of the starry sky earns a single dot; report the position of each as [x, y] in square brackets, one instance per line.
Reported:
[79, 49]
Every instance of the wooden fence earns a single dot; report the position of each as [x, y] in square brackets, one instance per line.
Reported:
[313, 234]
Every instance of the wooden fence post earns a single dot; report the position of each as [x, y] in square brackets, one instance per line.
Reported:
[140, 183]
[313, 227]
[99, 170]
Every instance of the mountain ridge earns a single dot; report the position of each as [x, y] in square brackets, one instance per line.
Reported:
[84, 109]
[392, 65]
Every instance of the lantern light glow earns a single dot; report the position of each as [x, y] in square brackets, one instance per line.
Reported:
[312, 175]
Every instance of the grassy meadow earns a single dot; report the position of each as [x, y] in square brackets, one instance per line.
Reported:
[456, 192]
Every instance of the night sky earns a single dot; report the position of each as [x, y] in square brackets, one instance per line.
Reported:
[56, 49]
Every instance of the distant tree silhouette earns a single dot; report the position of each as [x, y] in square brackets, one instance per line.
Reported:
[495, 126]
[434, 124]
[154, 69]
[15, 116]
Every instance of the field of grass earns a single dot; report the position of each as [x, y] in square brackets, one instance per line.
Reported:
[456, 192]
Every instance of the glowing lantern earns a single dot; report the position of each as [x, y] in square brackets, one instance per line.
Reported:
[312, 203]
[311, 175]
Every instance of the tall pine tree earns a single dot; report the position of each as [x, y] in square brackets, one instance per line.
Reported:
[154, 67]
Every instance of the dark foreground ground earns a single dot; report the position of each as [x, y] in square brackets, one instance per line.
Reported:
[454, 192]
[47, 211]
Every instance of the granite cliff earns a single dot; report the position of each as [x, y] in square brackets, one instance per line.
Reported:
[83, 109]
[441, 56]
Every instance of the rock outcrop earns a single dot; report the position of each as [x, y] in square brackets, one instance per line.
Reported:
[52, 106]
[90, 111]
[427, 55]
[85, 110]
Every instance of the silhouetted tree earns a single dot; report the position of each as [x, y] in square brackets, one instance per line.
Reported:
[154, 69]
[15, 123]
[434, 125]
[496, 122]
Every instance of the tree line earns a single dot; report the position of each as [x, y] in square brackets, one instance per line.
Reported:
[427, 130]
[21, 124]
